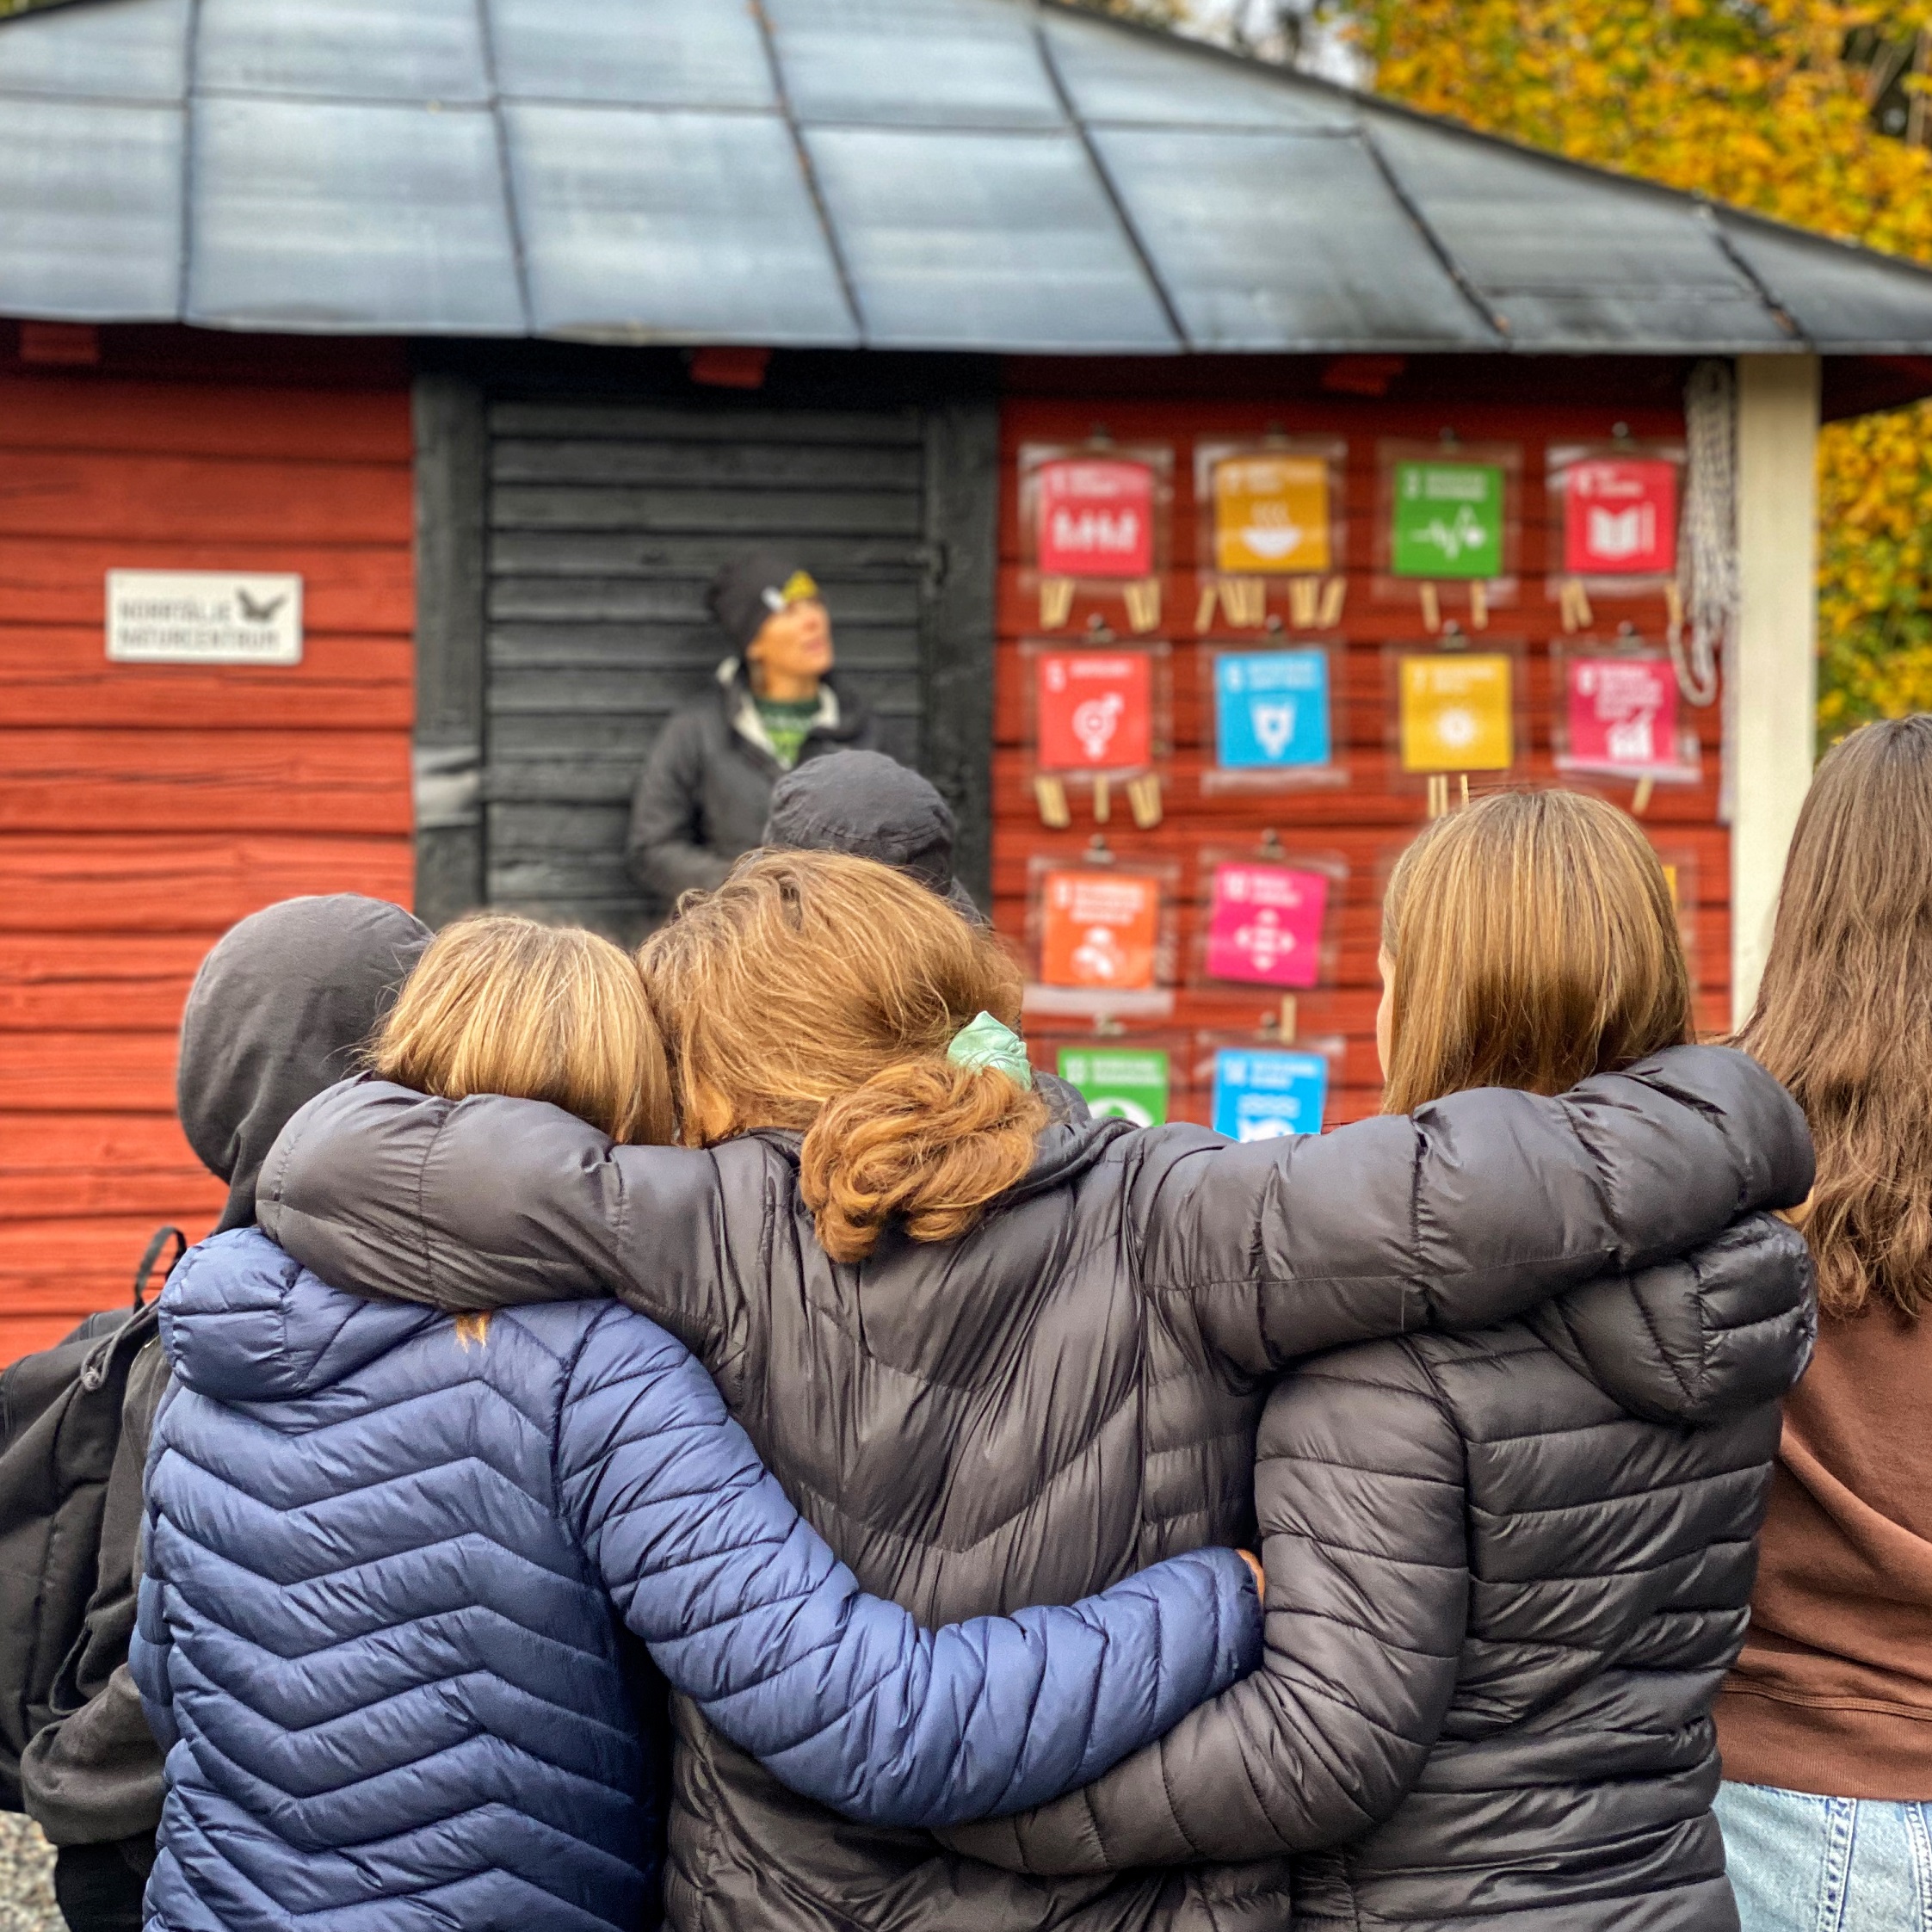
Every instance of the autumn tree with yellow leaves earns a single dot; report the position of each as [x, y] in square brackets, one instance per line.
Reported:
[1766, 103]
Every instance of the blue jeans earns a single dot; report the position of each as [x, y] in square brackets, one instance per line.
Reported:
[1799, 1863]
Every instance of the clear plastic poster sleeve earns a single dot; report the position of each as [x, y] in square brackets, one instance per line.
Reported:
[1614, 508]
[1097, 716]
[1268, 916]
[1271, 535]
[1456, 710]
[1094, 529]
[1618, 714]
[1102, 936]
[1449, 528]
[1127, 1077]
[1276, 718]
[1261, 1090]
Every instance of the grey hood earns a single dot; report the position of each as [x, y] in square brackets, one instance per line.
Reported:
[276, 1014]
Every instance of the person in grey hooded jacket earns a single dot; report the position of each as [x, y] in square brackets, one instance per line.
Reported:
[1064, 1390]
[276, 1012]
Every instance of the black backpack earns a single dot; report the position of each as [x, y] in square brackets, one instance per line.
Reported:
[60, 1427]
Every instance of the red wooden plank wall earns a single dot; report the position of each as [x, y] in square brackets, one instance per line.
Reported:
[144, 808]
[1369, 820]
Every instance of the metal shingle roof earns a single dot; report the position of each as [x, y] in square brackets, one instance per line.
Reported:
[985, 175]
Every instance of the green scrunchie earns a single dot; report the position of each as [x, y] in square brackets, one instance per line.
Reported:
[986, 1042]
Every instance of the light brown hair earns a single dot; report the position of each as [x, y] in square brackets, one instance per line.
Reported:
[1534, 944]
[1844, 1015]
[818, 991]
[499, 1004]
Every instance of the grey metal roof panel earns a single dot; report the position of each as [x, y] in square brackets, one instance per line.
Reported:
[90, 223]
[1242, 230]
[351, 218]
[957, 239]
[913, 63]
[114, 50]
[1570, 258]
[355, 50]
[1841, 298]
[643, 224]
[1116, 77]
[648, 53]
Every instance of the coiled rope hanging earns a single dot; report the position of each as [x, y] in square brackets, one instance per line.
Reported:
[1710, 565]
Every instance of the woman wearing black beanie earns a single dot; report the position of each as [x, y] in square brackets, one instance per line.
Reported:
[706, 786]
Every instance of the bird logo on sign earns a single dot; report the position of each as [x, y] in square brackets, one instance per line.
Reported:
[263, 613]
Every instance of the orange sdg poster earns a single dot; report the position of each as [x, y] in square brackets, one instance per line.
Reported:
[1100, 928]
[1271, 513]
[1457, 712]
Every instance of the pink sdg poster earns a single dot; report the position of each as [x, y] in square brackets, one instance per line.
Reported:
[1264, 925]
[1623, 714]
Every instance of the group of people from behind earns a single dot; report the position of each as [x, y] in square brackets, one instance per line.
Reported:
[616, 1460]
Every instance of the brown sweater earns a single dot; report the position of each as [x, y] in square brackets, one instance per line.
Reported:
[1833, 1692]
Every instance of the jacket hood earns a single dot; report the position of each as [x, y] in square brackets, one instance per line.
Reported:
[1700, 1339]
[869, 806]
[243, 1322]
[274, 1017]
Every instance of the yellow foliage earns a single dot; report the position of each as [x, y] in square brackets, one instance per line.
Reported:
[1755, 104]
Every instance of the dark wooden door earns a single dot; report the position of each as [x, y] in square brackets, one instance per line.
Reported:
[581, 619]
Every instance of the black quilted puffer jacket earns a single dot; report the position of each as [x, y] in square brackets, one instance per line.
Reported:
[1064, 1394]
[1507, 1572]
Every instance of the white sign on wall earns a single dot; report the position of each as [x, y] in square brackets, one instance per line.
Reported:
[203, 617]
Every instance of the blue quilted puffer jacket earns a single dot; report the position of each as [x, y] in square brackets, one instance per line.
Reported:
[389, 1560]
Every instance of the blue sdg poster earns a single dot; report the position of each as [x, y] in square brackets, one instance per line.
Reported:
[1261, 1093]
[1271, 710]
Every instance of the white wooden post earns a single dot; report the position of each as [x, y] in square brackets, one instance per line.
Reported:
[1775, 678]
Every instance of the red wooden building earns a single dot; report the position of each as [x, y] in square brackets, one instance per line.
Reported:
[467, 331]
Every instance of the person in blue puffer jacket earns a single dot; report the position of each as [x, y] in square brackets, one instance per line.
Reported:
[406, 1574]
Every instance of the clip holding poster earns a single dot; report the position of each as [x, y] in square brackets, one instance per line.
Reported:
[1449, 527]
[1270, 525]
[1615, 508]
[1094, 529]
[1097, 716]
[1274, 716]
[1268, 916]
[1455, 709]
[1102, 936]
[1618, 714]
[1261, 1089]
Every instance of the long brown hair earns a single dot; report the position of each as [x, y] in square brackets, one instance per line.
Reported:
[819, 991]
[1844, 1012]
[499, 1004]
[1534, 944]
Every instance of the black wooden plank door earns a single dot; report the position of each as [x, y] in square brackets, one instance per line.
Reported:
[575, 612]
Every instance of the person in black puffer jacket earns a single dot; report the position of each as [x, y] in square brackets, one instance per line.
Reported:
[994, 1355]
[1507, 1570]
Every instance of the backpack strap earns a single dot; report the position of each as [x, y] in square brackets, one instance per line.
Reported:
[152, 1256]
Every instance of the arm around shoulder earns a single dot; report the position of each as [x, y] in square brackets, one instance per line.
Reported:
[1468, 1212]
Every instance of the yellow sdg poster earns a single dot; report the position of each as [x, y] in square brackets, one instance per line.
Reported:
[1271, 515]
[1457, 712]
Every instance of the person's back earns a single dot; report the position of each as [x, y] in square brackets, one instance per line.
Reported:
[1507, 1569]
[976, 1407]
[1826, 1723]
[391, 1557]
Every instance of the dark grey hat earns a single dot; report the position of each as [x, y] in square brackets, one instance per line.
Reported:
[872, 807]
[750, 588]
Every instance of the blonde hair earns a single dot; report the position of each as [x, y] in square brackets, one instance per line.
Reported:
[499, 1004]
[1843, 1014]
[818, 991]
[1535, 943]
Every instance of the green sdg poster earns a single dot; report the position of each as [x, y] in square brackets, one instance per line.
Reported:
[1118, 1082]
[1449, 519]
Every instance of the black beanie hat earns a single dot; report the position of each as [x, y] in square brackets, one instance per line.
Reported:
[749, 588]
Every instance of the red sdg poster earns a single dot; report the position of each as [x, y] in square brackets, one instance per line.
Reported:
[1619, 518]
[1622, 714]
[1096, 518]
[1096, 710]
